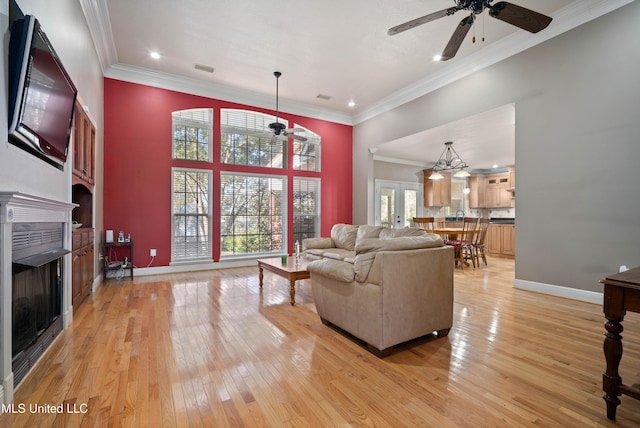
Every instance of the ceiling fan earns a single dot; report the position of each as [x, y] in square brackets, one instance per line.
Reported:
[508, 12]
[280, 131]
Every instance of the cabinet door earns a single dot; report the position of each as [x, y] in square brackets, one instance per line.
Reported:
[78, 140]
[437, 193]
[87, 268]
[495, 239]
[88, 149]
[76, 277]
[477, 191]
[492, 195]
[508, 240]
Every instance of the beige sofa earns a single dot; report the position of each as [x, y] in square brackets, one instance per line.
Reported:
[384, 286]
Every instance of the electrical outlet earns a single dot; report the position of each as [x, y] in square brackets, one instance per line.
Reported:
[100, 257]
[152, 252]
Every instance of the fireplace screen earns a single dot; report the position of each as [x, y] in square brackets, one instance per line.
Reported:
[36, 302]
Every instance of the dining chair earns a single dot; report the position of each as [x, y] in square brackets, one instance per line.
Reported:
[425, 223]
[478, 243]
[464, 243]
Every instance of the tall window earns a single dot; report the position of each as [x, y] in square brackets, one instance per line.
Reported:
[192, 130]
[306, 208]
[191, 193]
[306, 154]
[248, 140]
[252, 214]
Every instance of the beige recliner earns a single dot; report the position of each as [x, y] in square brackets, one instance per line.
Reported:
[385, 291]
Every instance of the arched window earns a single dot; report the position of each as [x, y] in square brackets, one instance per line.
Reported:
[248, 140]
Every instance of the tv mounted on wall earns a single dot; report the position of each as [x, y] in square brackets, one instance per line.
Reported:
[41, 94]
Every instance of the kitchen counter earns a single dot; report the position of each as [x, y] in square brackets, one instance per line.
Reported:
[502, 220]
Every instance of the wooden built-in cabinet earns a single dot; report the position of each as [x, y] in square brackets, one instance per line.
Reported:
[84, 147]
[437, 193]
[500, 240]
[82, 266]
[477, 191]
[83, 178]
[492, 190]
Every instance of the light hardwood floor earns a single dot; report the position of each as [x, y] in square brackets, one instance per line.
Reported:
[210, 349]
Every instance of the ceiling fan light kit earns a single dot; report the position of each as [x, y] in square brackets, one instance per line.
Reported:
[280, 131]
[510, 13]
[449, 161]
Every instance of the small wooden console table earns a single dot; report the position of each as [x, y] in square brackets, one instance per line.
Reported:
[621, 294]
[289, 270]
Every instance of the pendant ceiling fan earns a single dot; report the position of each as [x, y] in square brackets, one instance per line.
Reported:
[508, 12]
[280, 131]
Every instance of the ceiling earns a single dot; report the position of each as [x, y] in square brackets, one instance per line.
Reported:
[335, 48]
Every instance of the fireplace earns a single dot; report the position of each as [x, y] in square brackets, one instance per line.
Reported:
[35, 282]
[36, 291]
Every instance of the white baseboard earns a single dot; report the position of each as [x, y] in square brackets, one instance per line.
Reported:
[193, 267]
[556, 290]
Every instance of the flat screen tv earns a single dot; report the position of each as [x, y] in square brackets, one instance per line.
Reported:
[41, 94]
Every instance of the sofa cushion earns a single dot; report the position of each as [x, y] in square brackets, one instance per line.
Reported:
[319, 243]
[334, 269]
[344, 235]
[339, 254]
[428, 240]
[387, 233]
[367, 231]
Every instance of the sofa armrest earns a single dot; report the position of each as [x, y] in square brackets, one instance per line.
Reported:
[317, 243]
[334, 269]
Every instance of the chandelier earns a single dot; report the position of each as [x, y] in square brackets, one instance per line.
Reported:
[449, 161]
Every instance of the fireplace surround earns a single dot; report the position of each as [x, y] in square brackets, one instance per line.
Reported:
[35, 238]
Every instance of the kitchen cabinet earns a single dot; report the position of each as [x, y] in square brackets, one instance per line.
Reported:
[84, 147]
[500, 240]
[437, 193]
[82, 265]
[477, 188]
[497, 191]
[492, 190]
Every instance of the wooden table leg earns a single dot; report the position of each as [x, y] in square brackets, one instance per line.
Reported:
[292, 291]
[611, 380]
[260, 274]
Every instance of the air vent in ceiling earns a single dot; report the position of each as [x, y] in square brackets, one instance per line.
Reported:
[323, 97]
[204, 68]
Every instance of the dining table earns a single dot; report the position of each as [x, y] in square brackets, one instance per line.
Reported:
[449, 233]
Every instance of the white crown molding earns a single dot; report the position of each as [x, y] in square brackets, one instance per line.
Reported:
[402, 161]
[172, 82]
[565, 19]
[97, 15]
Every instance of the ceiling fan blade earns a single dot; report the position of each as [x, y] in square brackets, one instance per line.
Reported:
[519, 16]
[422, 20]
[297, 137]
[457, 38]
[295, 130]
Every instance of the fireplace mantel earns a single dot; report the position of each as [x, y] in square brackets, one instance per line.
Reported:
[17, 207]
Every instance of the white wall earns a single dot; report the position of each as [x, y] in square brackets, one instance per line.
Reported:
[66, 28]
[577, 147]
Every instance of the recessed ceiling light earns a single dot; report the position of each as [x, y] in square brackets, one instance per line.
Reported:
[437, 57]
[495, 165]
[155, 55]
[352, 103]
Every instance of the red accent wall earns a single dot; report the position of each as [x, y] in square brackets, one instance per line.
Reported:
[137, 166]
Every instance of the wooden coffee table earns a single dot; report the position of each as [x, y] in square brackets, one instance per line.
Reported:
[290, 271]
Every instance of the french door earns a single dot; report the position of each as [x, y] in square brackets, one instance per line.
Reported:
[396, 203]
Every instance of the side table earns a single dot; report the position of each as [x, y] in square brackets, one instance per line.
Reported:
[621, 294]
